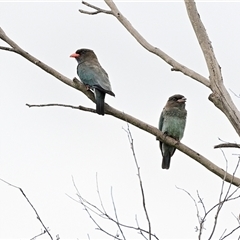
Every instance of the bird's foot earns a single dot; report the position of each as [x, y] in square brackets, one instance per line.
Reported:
[88, 87]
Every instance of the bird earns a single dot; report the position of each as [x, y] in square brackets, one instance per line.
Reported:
[172, 122]
[93, 76]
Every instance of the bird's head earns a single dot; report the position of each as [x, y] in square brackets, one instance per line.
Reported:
[176, 100]
[83, 54]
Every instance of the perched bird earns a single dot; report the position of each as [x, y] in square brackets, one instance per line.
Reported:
[172, 123]
[93, 76]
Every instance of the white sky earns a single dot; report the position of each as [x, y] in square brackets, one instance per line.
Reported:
[42, 148]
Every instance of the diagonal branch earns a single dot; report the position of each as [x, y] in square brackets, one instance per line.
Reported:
[154, 131]
[176, 66]
[219, 96]
[34, 209]
[121, 115]
[172, 62]
[72, 83]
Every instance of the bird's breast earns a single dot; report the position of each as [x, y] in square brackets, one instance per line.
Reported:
[174, 126]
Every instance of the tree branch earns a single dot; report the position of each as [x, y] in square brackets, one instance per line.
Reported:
[99, 10]
[154, 131]
[130, 139]
[72, 83]
[75, 83]
[38, 235]
[8, 49]
[91, 208]
[219, 96]
[227, 145]
[38, 217]
[176, 66]
[222, 200]
[116, 216]
[62, 105]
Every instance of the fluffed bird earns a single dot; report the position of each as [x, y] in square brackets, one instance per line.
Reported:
[93, 76]
[172, 123]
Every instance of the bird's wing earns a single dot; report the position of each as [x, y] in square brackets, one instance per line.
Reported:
[160, 123]
[94, 76]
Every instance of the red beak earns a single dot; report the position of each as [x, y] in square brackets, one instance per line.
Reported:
[74, 55]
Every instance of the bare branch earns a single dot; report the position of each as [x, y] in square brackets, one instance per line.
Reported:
[236, 95]
[123, 116]
[8, 49]
[91, 208]
[62, 105]
[202, 203]
[99, 197]
[153, 130]
[99, 10]
[202, 220]
[116, 216]
[176, 65]
[196, 206]
[139, 178]
[38, 217]
[222, 200]
[227, 145]
[40, 234]
[219, 96]
[73, 83]
[227, 235]
[140, 231]
[87, 209]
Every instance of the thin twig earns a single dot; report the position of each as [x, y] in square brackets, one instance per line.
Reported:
[227, 145]
[130, 138]
[99, 10]
[97, 211]
[196, 206]
[81, 200]
[62, 105]
[115, 212]
[202, 220]
[38, 217]
[141, 232]
[8, 49]
[238, 96]
[99, 196]
[221, 202]
[227, 235]
[202, 203]
[40, 234]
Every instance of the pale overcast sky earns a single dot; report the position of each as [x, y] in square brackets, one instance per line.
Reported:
[42, 148]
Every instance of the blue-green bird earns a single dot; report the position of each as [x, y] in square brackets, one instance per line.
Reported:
[172, 123]
[93, 76]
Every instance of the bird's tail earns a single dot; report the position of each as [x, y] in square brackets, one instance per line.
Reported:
[167, 152]
[99, 97]
[166, 160]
